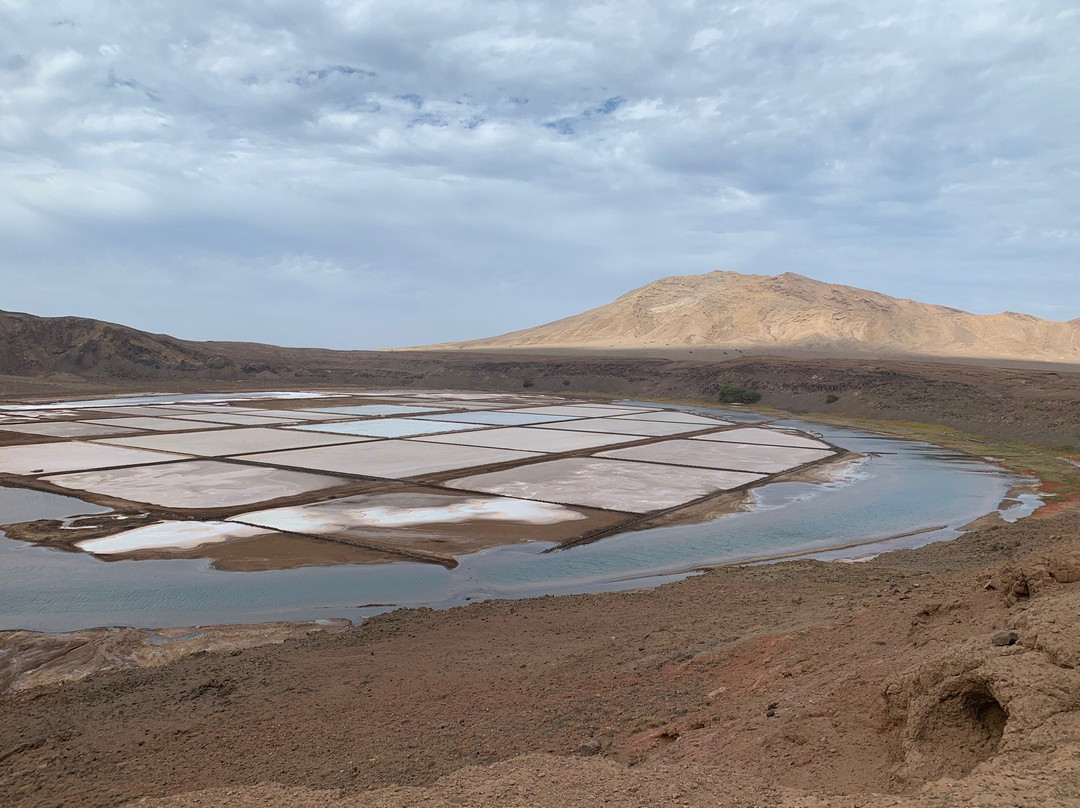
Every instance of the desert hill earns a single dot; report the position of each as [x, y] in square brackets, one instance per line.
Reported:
[34, 346]
[790, 312]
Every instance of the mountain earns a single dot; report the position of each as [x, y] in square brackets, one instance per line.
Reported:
[31, 346]
[790, 312]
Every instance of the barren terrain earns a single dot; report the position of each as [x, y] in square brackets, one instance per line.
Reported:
[801, 683]
[890, 682]
[762, 313]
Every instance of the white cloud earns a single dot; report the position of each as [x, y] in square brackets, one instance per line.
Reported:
[439, 170]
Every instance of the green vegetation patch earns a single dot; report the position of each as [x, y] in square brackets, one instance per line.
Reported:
[736, 394]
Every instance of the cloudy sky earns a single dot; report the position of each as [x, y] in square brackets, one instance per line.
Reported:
[367, 174]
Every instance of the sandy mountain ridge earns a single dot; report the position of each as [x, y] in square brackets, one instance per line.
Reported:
[791, 312]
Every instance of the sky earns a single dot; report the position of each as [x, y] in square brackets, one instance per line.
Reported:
[373, 174]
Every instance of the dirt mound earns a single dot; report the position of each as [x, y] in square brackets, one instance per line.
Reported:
[754, 313]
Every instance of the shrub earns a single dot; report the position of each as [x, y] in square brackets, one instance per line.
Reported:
[734, 394]
[527, 383]
[565, 382]
[832, 398]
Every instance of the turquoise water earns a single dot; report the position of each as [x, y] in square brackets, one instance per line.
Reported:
[899, 487]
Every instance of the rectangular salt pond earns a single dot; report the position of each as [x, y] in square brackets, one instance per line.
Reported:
[234, 419]
[172, 398]
[66, 429]
[446, 404]
[391, 459]
[622, 426]
[50, 458]
[244, 440]
[717, 455]
[583, 410]
[212, 409]
[447, 523]
[532, 439]
[262, 412]
[377, 410]
[497, 418]
[675, 417]
[140, 410]
[296, 415]
[767, 437]
[387, 427]
[405, 511]
[151, 424]
[45, 415]
[610, 484]
[197, 484]
[458, 395]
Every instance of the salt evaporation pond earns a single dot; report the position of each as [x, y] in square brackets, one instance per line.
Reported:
[899, 487]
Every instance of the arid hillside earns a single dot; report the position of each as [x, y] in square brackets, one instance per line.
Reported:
[751, 313]
[43, 346]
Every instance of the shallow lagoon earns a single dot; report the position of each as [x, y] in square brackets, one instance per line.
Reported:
[900, 487]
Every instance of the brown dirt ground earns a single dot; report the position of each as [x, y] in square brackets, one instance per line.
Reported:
[800, 683]
[797, 684]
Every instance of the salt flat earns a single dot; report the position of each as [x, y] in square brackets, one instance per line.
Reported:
[66, 429]
[603, 483]
[583, 410]
[531, 439]
[152, 424]
[623, 426]
[717, 455]
[392, 459]
[675, 417]
[386, 427]
[497, 418]
[196, 483]
[50, 458]
[376, 410]
[141, 409]
[169, 535]
[234, 419]
[768, 437]
[405, 510]
[234, 441]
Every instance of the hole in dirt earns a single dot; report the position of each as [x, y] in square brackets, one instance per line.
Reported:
[962, 731]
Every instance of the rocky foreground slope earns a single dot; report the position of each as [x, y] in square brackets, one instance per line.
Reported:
[790, 312]
[945, 676]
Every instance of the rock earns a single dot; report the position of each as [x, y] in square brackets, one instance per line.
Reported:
[1065, 569]
[1002, 638]
[590, 747]
[1017, 589]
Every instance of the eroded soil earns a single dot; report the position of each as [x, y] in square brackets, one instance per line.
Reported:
[800, 683]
